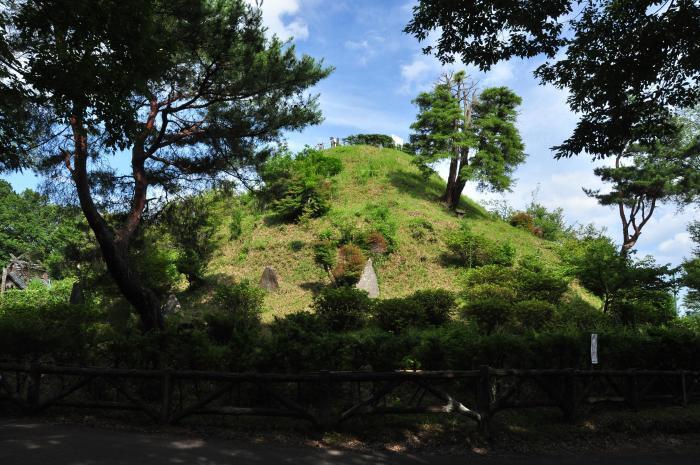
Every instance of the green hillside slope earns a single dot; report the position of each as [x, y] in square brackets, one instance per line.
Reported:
[370, 176]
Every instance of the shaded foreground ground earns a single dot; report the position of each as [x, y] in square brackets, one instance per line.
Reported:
[28, 442]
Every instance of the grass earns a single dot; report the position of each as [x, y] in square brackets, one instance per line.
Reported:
[370, 176]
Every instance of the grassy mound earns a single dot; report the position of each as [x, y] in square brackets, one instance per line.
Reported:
[371, 177]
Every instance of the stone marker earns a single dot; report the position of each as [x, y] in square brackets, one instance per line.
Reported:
[368, 280]
[172, 305]
[269, 279]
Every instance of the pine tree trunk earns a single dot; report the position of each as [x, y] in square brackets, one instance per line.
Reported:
[115, 247]
[451, 180]
[461, 180]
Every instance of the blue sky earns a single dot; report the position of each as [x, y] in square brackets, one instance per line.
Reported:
[379, 70]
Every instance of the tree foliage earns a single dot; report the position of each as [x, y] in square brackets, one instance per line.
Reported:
[186, 91]
[644, 176]
[691, 271]
[299, 186]
[476, 132]
[377, 140]
[627, 63]
[32, 226]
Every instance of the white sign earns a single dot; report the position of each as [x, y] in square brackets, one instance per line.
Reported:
[594, 348]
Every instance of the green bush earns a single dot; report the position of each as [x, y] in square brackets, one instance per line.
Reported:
[490, 313]
[522, 220]
[190, 224]
[436, 304]
[343, 308]
[398, 314]
[419, 310]
[324, 254]
[533, 313]
[474, 250]
[378, 217]
[235, 227]
[421, 229]
[237, 318]
[377, 140]
[300, 186]
[39, 323]
[156, 259]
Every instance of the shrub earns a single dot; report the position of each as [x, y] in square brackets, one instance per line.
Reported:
[343, 308]
[299, 186]
[528, 281]
[376, 243]
[349, 265]
[377, 140]
[380, 221]
[157, 261]
[421, 229]
[235, 227]
[398, 314]
[324, 254]
[190, 224]
[436, 304]
[293, 341]
[522, 220]
[418, 310]
[533, 314]
[474, 250]
[39, 322]
[296, 245]
[304, 197]
[549, 224]
[489, 313]
[237, 320]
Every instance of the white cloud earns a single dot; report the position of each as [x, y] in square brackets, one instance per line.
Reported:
[279, 16]
[680, 242]
[354, 112]
[419, 74]
[359, 45]
[500, 74]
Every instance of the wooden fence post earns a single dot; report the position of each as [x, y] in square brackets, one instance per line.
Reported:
[34, 386]
[632, 389]
[684, 390]
[483, 398]
[569, 400]
[166, 405]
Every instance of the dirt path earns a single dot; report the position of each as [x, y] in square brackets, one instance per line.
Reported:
[24, 442]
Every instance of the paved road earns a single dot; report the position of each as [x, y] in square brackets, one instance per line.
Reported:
[27, 443]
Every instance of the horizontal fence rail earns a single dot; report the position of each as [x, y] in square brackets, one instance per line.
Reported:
[331, 397]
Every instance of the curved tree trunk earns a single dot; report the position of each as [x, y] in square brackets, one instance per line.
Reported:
[115, 247]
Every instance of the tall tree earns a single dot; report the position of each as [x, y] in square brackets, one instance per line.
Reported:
[691, 271]
[628, 67]
[625, 63]
[645, 176]
[181, 91]
[477, 133]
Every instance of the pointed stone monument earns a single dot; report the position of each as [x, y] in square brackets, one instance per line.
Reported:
[368, 280]
[269, 280]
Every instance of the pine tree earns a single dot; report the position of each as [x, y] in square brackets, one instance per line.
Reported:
[477, 133]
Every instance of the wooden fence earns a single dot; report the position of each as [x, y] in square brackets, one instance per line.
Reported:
[329, 398]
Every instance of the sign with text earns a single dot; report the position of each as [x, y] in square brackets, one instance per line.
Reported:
[594, 348]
